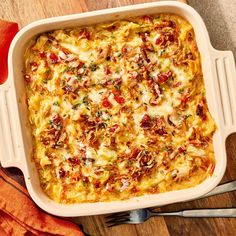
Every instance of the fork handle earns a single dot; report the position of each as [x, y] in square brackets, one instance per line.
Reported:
[228, 212]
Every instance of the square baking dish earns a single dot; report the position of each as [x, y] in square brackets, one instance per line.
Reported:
[16, 140]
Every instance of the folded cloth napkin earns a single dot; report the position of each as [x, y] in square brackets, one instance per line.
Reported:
[18, 213]
[7, 32]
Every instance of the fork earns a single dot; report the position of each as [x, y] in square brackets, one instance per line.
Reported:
[141, 215]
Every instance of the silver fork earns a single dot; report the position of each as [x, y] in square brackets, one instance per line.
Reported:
[141, 215]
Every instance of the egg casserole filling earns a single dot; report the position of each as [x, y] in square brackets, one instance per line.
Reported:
[118, 109]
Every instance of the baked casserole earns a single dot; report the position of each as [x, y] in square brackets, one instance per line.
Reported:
[118, 109]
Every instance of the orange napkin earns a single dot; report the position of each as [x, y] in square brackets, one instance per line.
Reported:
[7, 32]
[18, 213]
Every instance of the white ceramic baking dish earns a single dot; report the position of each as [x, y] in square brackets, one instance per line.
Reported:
[15, 135]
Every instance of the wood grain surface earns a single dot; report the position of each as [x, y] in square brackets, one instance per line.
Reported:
[26, 11]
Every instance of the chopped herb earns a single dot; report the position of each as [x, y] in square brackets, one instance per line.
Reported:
[45, 81]
[56, 103]
[93, 67]
[187, 116]
[75, 106]
[181, 90]
[162, 52]
[145, 103]
[118, 55]
[85, 100]
[88, 108]
[101, 92]
[117, 87]
[98, 113]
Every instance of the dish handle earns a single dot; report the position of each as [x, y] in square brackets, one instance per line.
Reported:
[10, 144]
[225, 74]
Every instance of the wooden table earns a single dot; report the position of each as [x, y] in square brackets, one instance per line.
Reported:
[26, 11]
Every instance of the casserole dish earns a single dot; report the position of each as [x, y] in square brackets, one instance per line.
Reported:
[16, 142]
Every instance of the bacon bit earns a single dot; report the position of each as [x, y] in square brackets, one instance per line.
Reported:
[107, 70]
[74, 161]
[185, 99]
[97, 184]
[42, 55]
[193, 135]
[124, 50]
[53, 57]
[200, 112]
[98, 170]
[76, 178]
[159, 40]
[106, 103]
[85, 179]
[144, 36]
[111, 28]
[144, 53]
[107, 82]
[177, 84]
[189, 56]
[27, 78]
[119, 99]
[134, 190]
[109, 187]
[85, 34]
[181, 150]
[114, 128]
[147, 18]
[165, 24]
[165, 39]
[62, 173]
[163, 77]
[161, 131]
[56, 120]
[134, 154]
[153, 102]
[190, 36]
[68, 89]
[146, 122]
[146, 160]
[45, 140]
[165, 163]
[33, 66]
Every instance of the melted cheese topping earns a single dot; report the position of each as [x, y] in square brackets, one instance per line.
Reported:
[118, 109]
